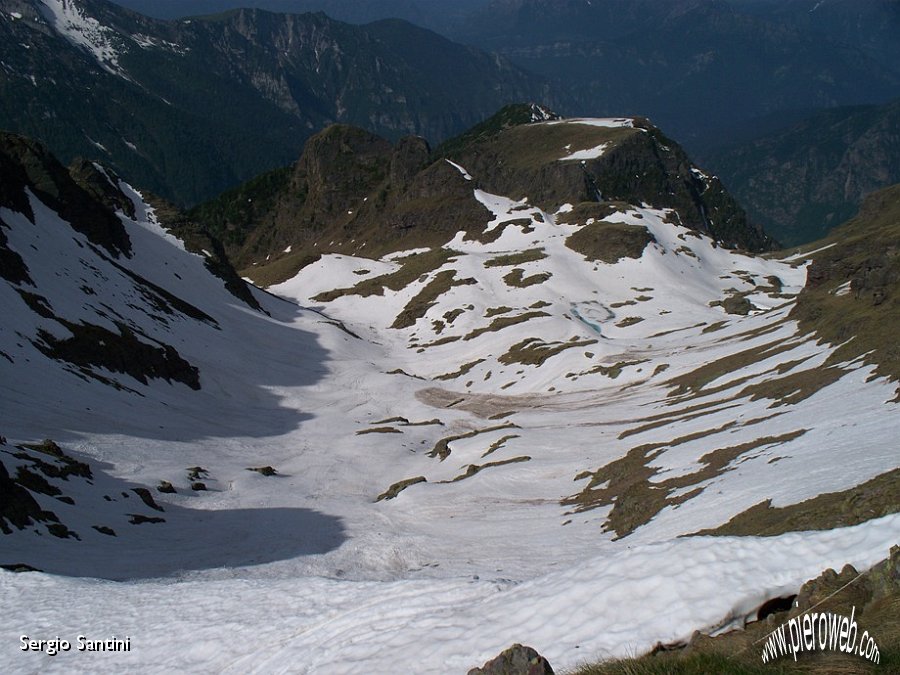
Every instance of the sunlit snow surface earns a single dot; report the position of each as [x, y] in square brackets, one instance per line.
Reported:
[611, 605]
[305, 571]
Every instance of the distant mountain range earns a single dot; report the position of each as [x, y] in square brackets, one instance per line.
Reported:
[700, 69]
[801, 181]
[189, 108]
[438, 16]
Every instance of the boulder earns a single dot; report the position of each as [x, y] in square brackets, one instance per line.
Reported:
[517, 660]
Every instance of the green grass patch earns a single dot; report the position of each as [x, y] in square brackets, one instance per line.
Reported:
[696, 380]
[500, 442]
[476, 468]
[447, 339]
[610, 242]
[513, 259]
[412, 268]
[713, 327]
[629, 321]
[504, 322]
[453, 314]
[441, 449]
[873, 499]
[626, 485]
[399, 487]
[535, 352]
[279, 270]
[427, 298]
[517, 278]
[613, 371]
[462, 370]
[678, 663]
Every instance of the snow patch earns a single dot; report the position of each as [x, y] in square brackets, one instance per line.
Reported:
[84, 31]
[608, 122]
[590, 153]
[460, 169]
[843, 289]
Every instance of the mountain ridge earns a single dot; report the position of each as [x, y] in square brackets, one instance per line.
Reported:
[187, 108]
[351, 189]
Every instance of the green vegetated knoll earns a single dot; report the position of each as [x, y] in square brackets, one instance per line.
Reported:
[353, 192]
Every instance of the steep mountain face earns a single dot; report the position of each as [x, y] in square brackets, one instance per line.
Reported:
[802, 181]
[110, 322]
[187, 108]
[436, 16]
[97, 207]
[440, 438]
[433, 15]
[354, 192]
[699, 68]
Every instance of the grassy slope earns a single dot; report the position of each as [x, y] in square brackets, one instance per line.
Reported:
[866, 253]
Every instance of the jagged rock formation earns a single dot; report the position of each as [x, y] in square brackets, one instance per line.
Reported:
[27, 164]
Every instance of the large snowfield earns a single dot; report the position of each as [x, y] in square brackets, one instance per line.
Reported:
[308, 571]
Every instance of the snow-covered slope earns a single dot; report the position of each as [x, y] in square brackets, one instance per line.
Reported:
[500, 439]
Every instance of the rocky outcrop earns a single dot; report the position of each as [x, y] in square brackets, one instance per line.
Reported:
[517, 660]
[95, 346]
[28, 164]
[17, 507]
[102, 184]
[640, 165]
[198, 239]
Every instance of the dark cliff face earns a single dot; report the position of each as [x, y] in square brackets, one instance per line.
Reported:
[89, 197]
[354, 192]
